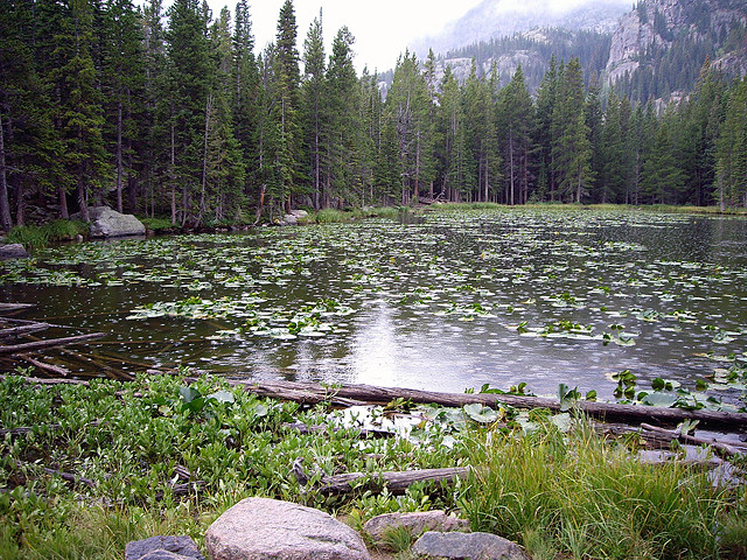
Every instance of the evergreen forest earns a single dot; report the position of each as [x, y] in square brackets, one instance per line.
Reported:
[174, 113]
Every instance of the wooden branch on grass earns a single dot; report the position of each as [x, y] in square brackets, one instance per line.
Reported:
[312, 393]
[38, 345]
[728, 449]
[397, 482]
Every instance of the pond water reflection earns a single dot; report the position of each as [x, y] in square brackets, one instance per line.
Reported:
[455, 300]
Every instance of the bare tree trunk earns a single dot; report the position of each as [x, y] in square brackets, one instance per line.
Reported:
[5, 219]
[119, 157]
[172, 176]
[203, 186]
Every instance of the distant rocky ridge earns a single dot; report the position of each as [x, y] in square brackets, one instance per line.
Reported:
[653, 51]
[493, 19]
[676, 32]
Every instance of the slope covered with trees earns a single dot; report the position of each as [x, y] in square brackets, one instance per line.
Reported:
[176, 115]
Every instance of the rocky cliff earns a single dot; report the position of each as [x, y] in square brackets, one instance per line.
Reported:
[681, 32]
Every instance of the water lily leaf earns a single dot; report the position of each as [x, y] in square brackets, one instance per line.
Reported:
[222, 396]
[480, 413]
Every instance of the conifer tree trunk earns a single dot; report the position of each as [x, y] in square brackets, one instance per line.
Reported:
[119, 157]
[5, 219]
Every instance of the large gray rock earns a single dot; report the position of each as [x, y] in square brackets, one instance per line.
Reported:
[264, 529]
[163, 548]
[414, 523]
[106, 222]
[468, 546]
[12, 251]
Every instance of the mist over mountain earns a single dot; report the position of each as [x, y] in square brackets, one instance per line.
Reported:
[654, 49]
[494, 19]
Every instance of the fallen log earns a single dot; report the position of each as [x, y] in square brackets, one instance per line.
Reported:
[51, 368]
[24, 329]
[397, 482]
[313, 393]
[8, 307]
[721, 447]
[38, 345]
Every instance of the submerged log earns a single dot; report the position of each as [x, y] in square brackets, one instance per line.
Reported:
[312, 393]
[50, 368]
[38, 345]
[24, 329]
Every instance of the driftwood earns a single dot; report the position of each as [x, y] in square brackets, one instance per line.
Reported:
[51, 368]
[306, 429]
[313, 393]
[39, 344]
[8, 307]
[397, 482]
[728, 449]
[24, 329]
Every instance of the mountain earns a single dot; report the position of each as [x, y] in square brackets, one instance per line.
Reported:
[533, 50]
[494, 19]
[658, 49]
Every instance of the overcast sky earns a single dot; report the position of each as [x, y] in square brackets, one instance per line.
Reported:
[382, 28]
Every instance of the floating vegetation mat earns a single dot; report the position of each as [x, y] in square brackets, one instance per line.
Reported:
[458, 299]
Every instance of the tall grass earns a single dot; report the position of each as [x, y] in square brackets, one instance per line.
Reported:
[583, 498]
[333, 216]
[35, 237]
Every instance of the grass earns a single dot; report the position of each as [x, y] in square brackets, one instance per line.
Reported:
[584, 498]
[564, 496]
[35, 237]
[664, 208]
[157, 224]
[333, 216]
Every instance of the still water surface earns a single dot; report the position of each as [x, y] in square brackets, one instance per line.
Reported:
[455, 300]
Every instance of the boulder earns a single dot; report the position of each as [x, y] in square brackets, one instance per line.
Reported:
[414, 523]
[265, 529]
[468, 546]
[289, 220]
[12, 251]
[300, 214]
[163, 548]
[106, 222]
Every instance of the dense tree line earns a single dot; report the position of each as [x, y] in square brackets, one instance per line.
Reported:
[176, 114]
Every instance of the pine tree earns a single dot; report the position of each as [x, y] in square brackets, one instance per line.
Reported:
[543, 133]
[246, 92]
[124, 80]
[571, 150]
[287, 78]
[28, 143]
[731, 155]
[455, 169]
[78, 109]
[343, 137]
[408, 104]
[315, 109]
[190, 72]
[515, 123]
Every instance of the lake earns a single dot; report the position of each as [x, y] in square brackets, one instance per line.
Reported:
[445, 300]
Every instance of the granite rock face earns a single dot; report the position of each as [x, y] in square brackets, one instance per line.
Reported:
[264, 529]
[414, 523]
[12, 251]
[106, 222]
[468, 546]
[163, 548]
